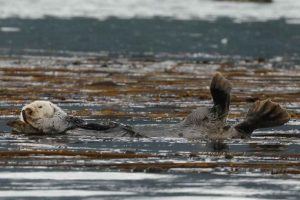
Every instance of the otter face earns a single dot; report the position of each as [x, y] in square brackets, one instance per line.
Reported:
[37, 110]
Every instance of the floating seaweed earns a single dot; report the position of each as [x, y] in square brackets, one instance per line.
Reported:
[143, 91]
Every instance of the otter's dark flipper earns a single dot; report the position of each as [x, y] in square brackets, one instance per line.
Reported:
[76, 122]
[263, 114]
[220, 89]
[97, 127]
[127, 130]
[19, 126]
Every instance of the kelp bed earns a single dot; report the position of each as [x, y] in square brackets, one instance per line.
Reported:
[151, 91]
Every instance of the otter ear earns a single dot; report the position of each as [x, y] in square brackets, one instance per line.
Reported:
[53, 106]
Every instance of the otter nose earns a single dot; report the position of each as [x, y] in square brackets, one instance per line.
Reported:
[28, 111]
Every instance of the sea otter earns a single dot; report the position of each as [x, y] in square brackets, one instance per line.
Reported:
[202, 123]
[210, 122]
[44, 117]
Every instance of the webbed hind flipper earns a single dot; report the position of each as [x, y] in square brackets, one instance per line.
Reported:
[263, 114]
[220, 89]
[76, 122]
[96, 127]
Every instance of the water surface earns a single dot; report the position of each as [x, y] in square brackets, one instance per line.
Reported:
[82, 164]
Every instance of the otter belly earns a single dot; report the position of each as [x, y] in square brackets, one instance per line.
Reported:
[215, 130]
[181, 131]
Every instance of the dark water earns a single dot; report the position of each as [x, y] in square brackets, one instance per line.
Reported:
[138, 36]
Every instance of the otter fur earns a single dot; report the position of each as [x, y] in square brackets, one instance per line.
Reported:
[44, 117]
[210, 122]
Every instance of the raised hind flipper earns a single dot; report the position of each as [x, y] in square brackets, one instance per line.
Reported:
[220, 89]
[263, 114]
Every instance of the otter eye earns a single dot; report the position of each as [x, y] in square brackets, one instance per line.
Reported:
[40, 106]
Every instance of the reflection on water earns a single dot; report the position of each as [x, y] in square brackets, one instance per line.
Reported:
[116, 185]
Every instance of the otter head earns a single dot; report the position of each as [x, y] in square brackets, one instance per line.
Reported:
[37, 110]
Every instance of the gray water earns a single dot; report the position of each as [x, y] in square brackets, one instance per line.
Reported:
[135, 37]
